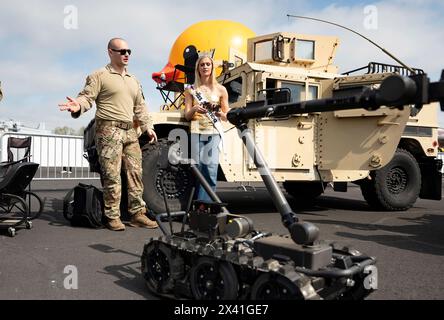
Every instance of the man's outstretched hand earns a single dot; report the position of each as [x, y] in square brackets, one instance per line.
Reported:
[71, 105]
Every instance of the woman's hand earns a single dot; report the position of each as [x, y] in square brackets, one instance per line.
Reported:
[221, 115]
[199, 109]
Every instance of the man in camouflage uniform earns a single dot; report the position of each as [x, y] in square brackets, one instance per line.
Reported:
[119, 100]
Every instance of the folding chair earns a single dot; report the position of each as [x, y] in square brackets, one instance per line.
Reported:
[190, 56]
[18, 144]
[19, 170]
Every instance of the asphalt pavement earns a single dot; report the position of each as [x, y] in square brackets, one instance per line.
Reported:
[42, 263]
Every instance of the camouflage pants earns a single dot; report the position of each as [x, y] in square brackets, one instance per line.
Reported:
[117, 147]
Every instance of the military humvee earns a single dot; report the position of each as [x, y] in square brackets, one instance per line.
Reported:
[390, 153]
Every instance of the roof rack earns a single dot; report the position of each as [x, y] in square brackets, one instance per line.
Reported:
[377, 67]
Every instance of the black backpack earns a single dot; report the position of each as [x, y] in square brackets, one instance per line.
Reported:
[83, 206]
[89, 147]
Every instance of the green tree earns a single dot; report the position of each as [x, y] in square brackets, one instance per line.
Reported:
[66, 131]
[80, 131]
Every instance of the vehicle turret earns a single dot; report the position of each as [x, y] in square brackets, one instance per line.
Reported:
[294, 50]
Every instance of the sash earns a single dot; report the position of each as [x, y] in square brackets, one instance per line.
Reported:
[217, 124]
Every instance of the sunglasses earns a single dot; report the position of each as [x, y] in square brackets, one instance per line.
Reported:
[123, 51]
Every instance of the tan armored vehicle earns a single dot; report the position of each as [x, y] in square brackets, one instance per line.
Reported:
[390, 153]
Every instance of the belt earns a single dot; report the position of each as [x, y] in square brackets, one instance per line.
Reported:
[119, 124]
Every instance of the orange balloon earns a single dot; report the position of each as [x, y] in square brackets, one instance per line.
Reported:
[226, 37]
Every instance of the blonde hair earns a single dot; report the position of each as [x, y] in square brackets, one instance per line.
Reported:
[198, 80]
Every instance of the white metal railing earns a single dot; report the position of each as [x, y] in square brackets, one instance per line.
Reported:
[441, 156]
[60, 157]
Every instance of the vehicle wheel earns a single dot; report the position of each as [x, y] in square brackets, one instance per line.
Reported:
[213, 280]
[28, 225]
[275, 287]
[177, 181]
[160, 267]
[304, 192]
[395, 187]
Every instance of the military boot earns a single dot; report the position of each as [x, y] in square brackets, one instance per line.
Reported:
[115, 225]
[140, 220]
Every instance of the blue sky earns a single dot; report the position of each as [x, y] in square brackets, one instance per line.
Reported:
[41, 62]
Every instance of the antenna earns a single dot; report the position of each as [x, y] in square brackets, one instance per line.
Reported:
[362, 36]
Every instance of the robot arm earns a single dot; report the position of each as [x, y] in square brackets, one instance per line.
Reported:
[395, 91]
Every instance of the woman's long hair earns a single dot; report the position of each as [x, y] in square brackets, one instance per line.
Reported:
[198, 80]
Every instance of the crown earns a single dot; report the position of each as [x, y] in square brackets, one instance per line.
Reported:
[207, 53]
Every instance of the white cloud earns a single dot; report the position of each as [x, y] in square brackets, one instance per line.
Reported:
[41, 62]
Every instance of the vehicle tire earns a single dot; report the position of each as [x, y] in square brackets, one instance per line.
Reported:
[161, 267]
[275, 287]
[304, 192]
[213, 280]
[395, 187]
[177, 180]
